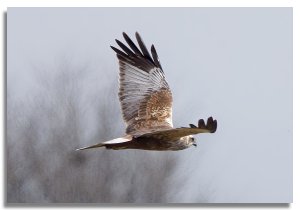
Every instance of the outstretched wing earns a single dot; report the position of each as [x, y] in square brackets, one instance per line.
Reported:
[176, 133]
[144, 94]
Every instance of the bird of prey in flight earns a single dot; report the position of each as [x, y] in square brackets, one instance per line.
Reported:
[146, 103]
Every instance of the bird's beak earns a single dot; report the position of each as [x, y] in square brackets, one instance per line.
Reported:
[194, 144]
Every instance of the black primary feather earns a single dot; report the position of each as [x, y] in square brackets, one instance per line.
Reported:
[211, 124]
[132, 45]
[201, 123]
[126, 49]
[193, 126]
[119, 51]
[143, 47]
[139, 58]
[155, 56]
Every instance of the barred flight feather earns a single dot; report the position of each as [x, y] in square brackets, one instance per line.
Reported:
[141, 81]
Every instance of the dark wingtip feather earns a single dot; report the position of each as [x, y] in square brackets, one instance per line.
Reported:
[193, 126]
[136, 55]
[131, 44]
[215, 125]
[155, 56]
[201, 123]
[119, 52]
[143, 47]
[126, 49]
[211, 125]
[137, 34]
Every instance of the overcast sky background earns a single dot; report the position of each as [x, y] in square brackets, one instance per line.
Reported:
[234, 64]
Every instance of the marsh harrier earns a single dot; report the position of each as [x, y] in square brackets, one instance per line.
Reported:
[146, 102]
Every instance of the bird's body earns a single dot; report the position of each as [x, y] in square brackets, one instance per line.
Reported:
[146, 143]
[146, 103]
[158, 144]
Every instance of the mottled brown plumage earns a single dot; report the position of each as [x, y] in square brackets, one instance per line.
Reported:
[146, 103]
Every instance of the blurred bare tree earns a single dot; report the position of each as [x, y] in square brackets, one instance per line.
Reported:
[67, 112]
